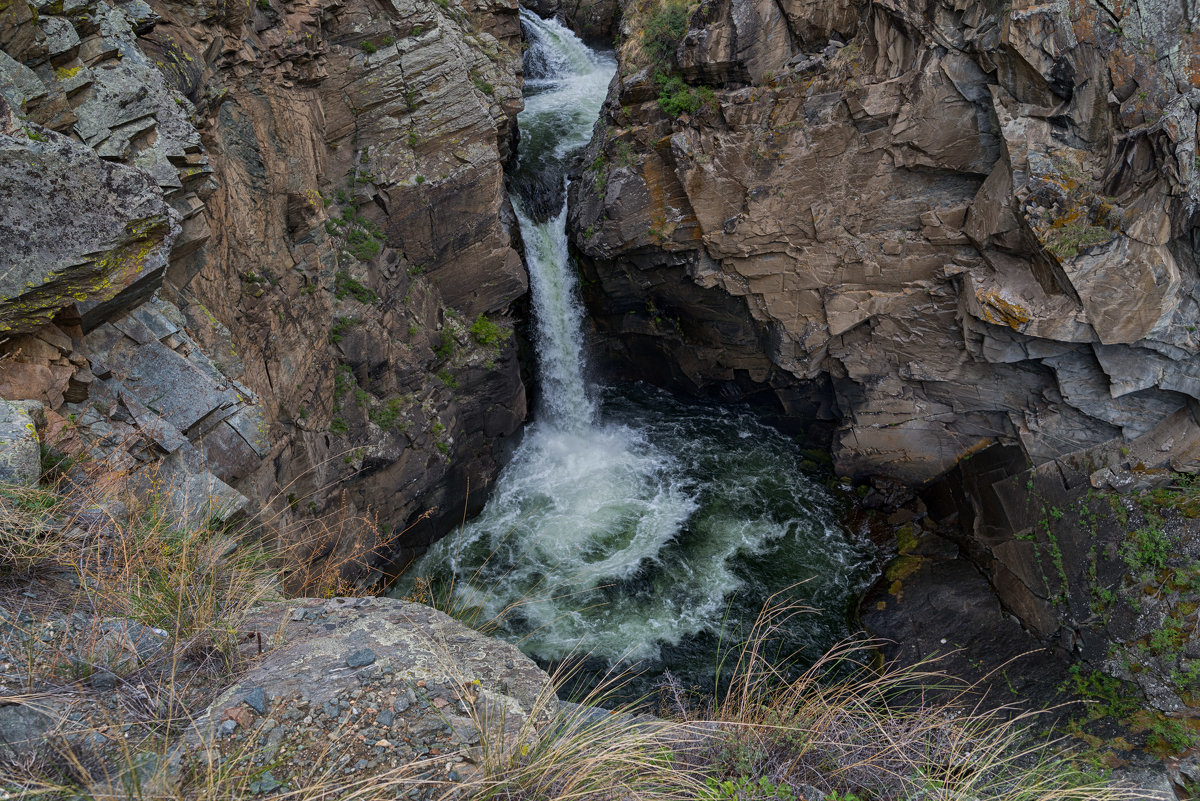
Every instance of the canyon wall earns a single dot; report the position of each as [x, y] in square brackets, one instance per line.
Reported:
[975, 221]
[945, 229]
[262, 250]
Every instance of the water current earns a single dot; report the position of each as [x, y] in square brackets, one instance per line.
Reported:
[631, 527]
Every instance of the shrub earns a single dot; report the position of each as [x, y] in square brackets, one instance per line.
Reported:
[676, 98]
[488, 333]
[387, 415]
[339, 329]
[664, 29]
[362, 245]
[367, 47]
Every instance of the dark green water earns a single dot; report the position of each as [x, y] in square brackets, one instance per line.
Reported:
[631, 528]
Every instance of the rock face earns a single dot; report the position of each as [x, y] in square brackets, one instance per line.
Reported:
[948, 229]
[372, 684]
[20, 456]
[273, 227]
[975, 224]
[591, 19]
[88, 228]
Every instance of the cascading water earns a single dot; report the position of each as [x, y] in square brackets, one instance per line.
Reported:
[629, 526]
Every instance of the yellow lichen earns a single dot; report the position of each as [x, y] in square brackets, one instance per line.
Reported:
[998, 310]
[67, 73]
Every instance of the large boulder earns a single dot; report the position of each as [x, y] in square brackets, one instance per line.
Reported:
[368, 685]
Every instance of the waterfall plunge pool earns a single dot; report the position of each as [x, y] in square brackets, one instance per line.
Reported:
[631, 529]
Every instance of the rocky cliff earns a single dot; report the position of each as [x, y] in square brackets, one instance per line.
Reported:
[944, 229]
[263, 249]
[974, 223]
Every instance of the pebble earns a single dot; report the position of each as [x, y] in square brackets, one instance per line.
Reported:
[360, 658]
[256, 699]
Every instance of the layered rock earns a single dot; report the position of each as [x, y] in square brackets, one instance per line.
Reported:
[315, 192]
[977, 224]
[591, 19]
[972, 225]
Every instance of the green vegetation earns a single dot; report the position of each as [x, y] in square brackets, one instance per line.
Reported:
[488, 333]
[1147, 548]
[339, 329]
[677, 98]
[388, 415]
[367, 47]
[664, 29]
[346, 285]
[1065, 242]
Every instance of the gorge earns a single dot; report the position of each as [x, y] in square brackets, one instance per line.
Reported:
[629, 522]
[260, 259]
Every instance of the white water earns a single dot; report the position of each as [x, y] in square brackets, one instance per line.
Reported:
[626, 523]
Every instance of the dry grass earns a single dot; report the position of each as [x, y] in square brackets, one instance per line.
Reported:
[851, 730]
[842, 729]
[30, 534]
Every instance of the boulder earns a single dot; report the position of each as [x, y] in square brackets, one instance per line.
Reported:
[373, 684]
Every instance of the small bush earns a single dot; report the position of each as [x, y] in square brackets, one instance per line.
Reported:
[367, 47]
[677, 98]
[340, 328]
[388, 415]
[488, 333]
[362, 244]
[664, 30]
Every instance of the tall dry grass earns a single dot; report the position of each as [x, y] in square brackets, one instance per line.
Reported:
[843, 728]
[847, 727]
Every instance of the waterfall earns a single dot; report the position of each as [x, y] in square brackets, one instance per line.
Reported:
[628, 524]
[565, 86]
